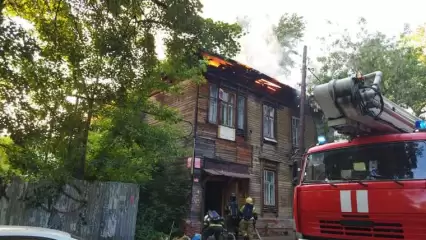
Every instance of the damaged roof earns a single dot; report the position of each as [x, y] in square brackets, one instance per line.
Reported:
[221, 68]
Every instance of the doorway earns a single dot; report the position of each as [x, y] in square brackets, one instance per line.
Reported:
[213, 197]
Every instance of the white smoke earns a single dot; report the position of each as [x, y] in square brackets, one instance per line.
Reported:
[261, 50]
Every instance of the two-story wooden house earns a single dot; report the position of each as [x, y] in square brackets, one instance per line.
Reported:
[246, 126]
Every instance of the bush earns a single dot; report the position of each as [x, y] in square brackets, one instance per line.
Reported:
[163, 200]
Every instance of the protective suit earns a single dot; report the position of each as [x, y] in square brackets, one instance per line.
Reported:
[213, 225]
[248, 216]
[233, 215]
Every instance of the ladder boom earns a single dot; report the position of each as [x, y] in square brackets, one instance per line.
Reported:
[353, 107]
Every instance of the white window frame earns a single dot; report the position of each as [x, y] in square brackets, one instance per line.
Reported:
[269, 122]
[295, 122]
[227, 103]
[236, 117]
[269, 188]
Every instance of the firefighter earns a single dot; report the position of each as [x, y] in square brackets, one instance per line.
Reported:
[248, 219]
[213, 225]
[233, 215]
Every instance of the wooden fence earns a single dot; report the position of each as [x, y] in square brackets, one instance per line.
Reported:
[93, 211]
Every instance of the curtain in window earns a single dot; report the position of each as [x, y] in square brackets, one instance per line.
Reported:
[268, 121]
[241, 112]
[269, 188]
[227, 101]
[213, 104]
[230, 120]
[224, 113]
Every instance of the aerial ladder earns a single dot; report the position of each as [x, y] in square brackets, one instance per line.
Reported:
[355, 106]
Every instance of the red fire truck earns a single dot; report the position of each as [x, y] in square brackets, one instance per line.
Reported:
[372, 186]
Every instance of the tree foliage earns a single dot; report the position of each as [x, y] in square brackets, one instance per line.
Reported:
[404, 75]
[90, 61]
[289, 32]
[417, 38]
[75, 87]
[161, 201]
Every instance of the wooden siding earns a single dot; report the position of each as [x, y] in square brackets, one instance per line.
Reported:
[237, 151]
[184, 102]
[250, 150]
[275, 152]
[278, 152]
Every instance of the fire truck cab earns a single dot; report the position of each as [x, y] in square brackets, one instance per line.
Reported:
[372, 186]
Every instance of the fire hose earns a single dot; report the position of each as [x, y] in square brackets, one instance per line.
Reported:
[255, 229]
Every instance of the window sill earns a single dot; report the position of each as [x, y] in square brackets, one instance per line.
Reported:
[270, 140]
[211, 123]
[270, 209]
[240, 133]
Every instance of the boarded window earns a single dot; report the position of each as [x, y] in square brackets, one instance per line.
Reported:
[269, 188]
[268, 122]
[295, 122]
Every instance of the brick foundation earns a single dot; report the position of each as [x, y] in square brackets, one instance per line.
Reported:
[192, 227]
[269, 227]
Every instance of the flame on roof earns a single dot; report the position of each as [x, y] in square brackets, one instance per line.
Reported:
[215, 61]
[270, 85]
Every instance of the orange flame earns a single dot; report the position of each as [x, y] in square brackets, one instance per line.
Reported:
[269, 85]
[215, 61]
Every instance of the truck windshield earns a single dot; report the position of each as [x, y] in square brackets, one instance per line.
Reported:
[374, 162]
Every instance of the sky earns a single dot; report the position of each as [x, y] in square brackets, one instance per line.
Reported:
[388, 17]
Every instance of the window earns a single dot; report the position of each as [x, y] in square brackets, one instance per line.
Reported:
[223, 105]
[268, 122]
[295, 131]
[227, 103]
[395, 161]
[269, 188]
[241, 112]
[213, 104]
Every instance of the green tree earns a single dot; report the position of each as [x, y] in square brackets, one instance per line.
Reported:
[85, 57]
[161, 201]
[289, 32]
[404, 76]
[417, 39]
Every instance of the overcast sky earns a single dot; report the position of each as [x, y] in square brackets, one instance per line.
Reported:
[385, 16]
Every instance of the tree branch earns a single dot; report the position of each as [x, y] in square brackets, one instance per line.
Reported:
[151, 21]
[160, 4]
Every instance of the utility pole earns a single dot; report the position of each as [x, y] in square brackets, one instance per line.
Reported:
[193, 177]
[301, 139]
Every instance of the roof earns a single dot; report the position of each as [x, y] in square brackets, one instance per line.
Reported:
[6, 230]
[400, 137]
[226, 173]
[220, 67]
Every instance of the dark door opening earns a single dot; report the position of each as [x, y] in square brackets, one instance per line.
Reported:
[213, 197]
